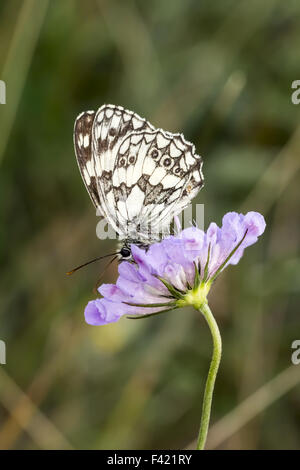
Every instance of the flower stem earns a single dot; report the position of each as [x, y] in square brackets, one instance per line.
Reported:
[212, 373]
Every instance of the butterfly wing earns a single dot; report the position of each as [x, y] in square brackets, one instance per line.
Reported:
[137, 176]
[181, 182]
[83, 149]
[156, 175]
[97, 137]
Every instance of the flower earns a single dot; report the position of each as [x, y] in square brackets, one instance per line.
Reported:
[175, 272]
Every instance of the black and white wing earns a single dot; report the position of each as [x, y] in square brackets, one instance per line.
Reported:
[137, 176]
[97, 138]
[83, 150]
[156, 175]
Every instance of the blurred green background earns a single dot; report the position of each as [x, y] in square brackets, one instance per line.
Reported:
[221, 73]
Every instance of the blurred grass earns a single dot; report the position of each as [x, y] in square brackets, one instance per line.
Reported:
[19, 55]
[221, 73]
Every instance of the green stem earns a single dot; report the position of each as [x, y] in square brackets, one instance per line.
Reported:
[212, 373]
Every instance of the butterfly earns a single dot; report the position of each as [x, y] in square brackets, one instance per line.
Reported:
[138, 177]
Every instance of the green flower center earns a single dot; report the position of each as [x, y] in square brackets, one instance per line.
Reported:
[196, 297]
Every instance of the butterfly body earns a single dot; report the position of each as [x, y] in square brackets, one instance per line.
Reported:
[138, 177]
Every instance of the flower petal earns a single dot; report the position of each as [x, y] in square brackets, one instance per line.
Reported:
[97, 313]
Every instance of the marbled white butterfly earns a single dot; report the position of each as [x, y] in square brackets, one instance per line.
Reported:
[137, 176]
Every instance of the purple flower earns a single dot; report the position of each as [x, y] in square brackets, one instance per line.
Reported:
[177, 271]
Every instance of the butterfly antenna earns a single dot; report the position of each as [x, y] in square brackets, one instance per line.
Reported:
[92, 261]
[104, 271]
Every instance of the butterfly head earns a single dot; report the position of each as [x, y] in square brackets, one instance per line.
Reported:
[125, 253]
[125, 249]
